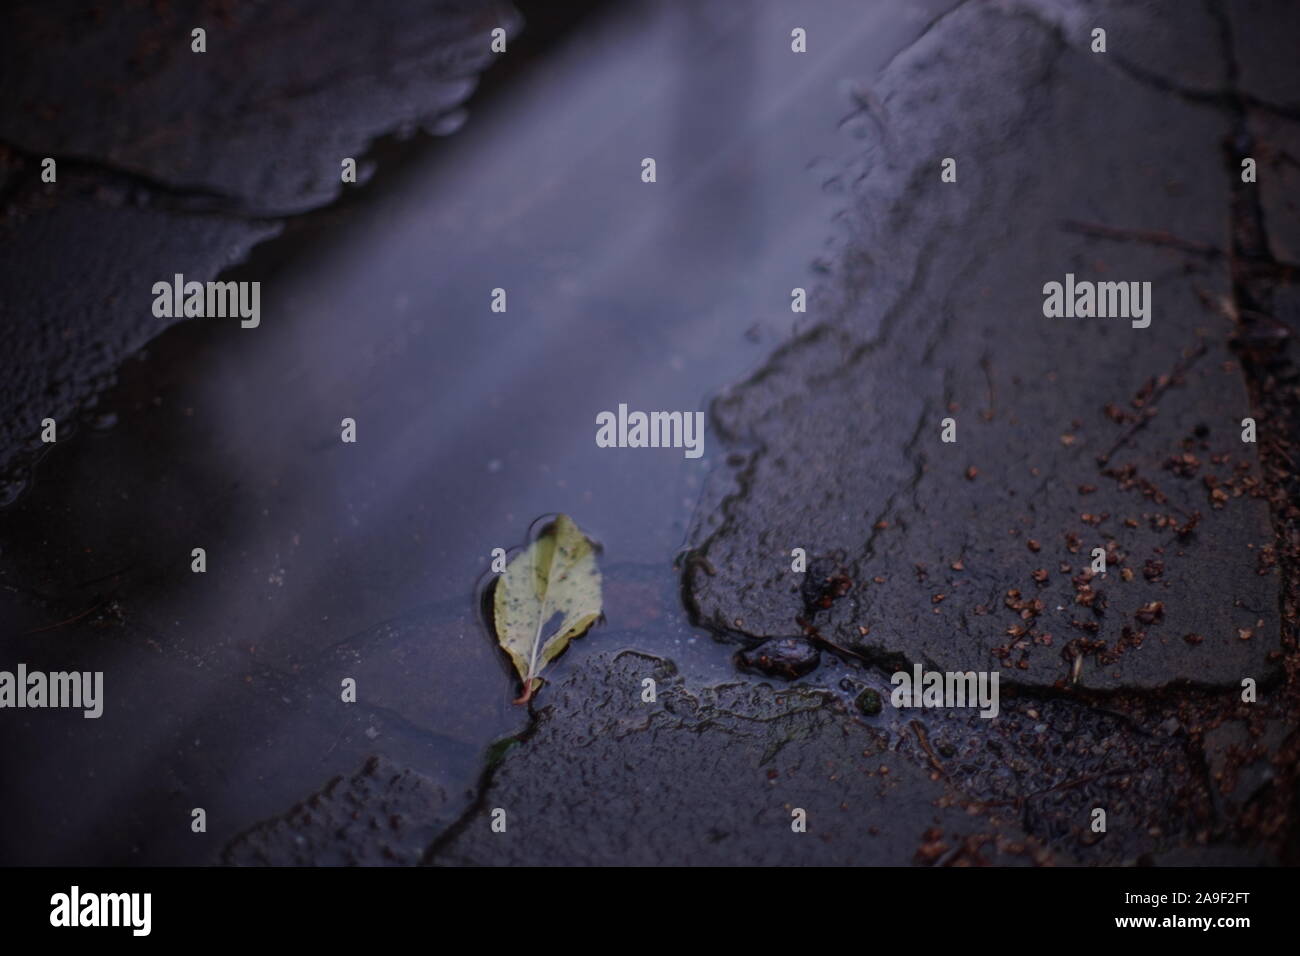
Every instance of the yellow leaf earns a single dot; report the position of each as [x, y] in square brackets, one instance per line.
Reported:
[547, 596]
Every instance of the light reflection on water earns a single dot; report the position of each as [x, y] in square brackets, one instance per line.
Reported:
[328, 560]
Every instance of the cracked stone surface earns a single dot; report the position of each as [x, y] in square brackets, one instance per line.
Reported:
[69, 334]
[1072, 434]
[383, 815]
[1264, 33]
[262, 120]
[1278, 146]
[1188, 57]
[729, 763]
[573, 790]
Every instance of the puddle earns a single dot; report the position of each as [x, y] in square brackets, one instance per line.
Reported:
[328, 560]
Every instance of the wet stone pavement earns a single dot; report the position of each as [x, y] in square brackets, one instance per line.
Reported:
[1120, 690]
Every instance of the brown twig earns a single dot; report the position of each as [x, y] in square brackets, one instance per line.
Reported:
[925, 745]
[71, 620]
[1180, 369]
[1151, 237]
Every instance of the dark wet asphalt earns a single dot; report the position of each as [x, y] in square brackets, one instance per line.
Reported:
[329, 560]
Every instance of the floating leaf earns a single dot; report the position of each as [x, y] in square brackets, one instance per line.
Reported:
[547, 596]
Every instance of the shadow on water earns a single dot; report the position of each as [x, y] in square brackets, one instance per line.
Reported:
[329, 560]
